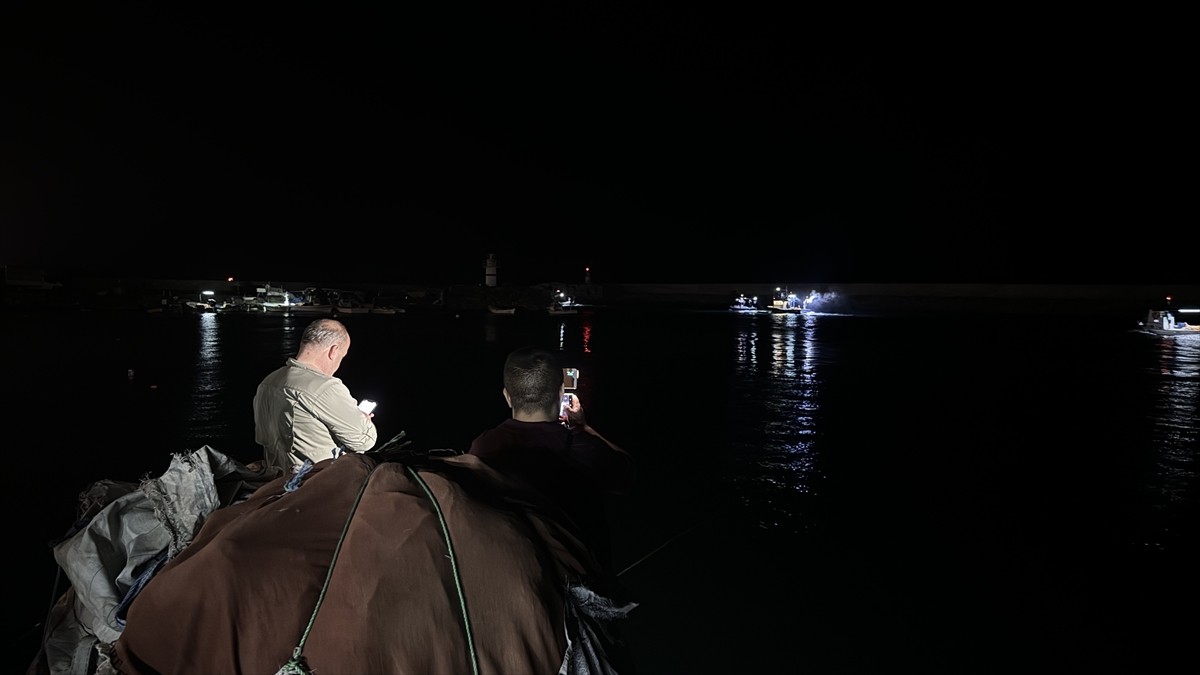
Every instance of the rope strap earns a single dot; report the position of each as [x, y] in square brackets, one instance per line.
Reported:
[297, 665]
[462, 598]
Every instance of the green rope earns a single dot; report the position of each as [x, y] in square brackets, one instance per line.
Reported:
[297, 665]
[462, 600]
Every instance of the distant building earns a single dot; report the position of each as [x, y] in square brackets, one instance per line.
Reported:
[490, 267]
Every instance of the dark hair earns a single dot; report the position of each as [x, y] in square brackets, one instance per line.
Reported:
[532, 377]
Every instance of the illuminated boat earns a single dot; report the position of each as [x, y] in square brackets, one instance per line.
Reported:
[745, 305]
[271, 299]
[1165, 322]
[197, 306]
[786, 302]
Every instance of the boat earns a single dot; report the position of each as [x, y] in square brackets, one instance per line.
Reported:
[556, 309]
[313, 302]
[388, 304]
[565, 301]
[271, 299]
[317, 309]
[499, 309]
[1164, 322]
[351, 306]
[786, 302]
[745, 305]
[199, 306]
[225, 306]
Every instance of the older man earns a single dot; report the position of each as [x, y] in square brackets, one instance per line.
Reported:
[302, 412]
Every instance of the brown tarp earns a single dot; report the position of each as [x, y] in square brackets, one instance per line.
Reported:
[400, 598]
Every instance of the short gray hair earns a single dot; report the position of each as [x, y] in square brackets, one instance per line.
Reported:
[324, 332]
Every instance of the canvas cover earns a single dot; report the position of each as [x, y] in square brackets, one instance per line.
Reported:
[431, 565]
[124, 532]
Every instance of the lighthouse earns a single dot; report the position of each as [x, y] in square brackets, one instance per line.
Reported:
[489, 271]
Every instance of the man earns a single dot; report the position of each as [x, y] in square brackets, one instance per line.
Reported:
[566, 460]
[302, 412]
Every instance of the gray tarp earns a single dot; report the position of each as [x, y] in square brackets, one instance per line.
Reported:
[125, 532]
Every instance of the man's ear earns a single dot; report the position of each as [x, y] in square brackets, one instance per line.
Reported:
[506, 398]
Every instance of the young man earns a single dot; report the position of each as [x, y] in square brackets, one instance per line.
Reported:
[566, 460]
[301, 411]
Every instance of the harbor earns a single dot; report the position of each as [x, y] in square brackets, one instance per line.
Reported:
[94, 293]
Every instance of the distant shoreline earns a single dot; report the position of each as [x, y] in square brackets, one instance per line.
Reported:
[1039, 298]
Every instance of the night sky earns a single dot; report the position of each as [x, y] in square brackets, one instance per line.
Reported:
[403, 142]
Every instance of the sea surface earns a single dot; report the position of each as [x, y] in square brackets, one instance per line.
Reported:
[828, 493]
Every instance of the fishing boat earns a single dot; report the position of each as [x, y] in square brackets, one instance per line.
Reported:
[564, 301]
[271, 299]
[786, 302]
[313, 302]
[745, 305]
[501, 309]
[1165, 322]
[199, 306]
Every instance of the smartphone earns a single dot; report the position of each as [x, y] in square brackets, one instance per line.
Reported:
[367, 405]
[570, 382]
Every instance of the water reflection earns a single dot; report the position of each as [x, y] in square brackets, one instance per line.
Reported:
[1175, 427]
[776, 386]
[206, 403]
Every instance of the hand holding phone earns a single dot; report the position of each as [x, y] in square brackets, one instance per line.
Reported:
[367, 406]
[570, 382]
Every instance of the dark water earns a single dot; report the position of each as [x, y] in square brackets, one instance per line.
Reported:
[830, 493]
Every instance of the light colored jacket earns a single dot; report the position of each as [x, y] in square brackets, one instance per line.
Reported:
[301, 413]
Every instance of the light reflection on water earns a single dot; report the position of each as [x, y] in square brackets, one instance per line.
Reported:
[1175, 425]
[776, 388]
[209, 404]
[782, 368]
[206, 389]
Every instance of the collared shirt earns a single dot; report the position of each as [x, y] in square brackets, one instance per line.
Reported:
[301, 413]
